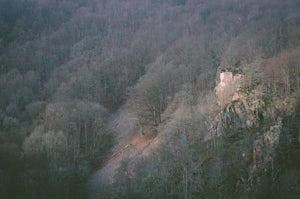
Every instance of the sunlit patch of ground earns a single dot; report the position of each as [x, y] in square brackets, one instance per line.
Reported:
[131, 149]
[140, 141]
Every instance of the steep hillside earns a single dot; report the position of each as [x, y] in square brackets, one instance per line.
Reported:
[149, 99]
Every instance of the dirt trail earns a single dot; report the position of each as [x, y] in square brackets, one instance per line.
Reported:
[130, 148]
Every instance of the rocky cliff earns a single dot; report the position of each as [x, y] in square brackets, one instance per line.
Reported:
[242, 111]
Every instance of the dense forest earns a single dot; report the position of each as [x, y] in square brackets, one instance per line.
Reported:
[149, 99]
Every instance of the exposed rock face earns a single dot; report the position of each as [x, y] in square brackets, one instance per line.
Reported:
[235, 115]
[237, 109]
[229, 84]
[244, 111]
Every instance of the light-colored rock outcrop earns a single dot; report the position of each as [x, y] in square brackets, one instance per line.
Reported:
[228, 87]
[244, 111]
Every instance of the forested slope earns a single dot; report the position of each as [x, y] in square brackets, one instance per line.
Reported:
[215, 83]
